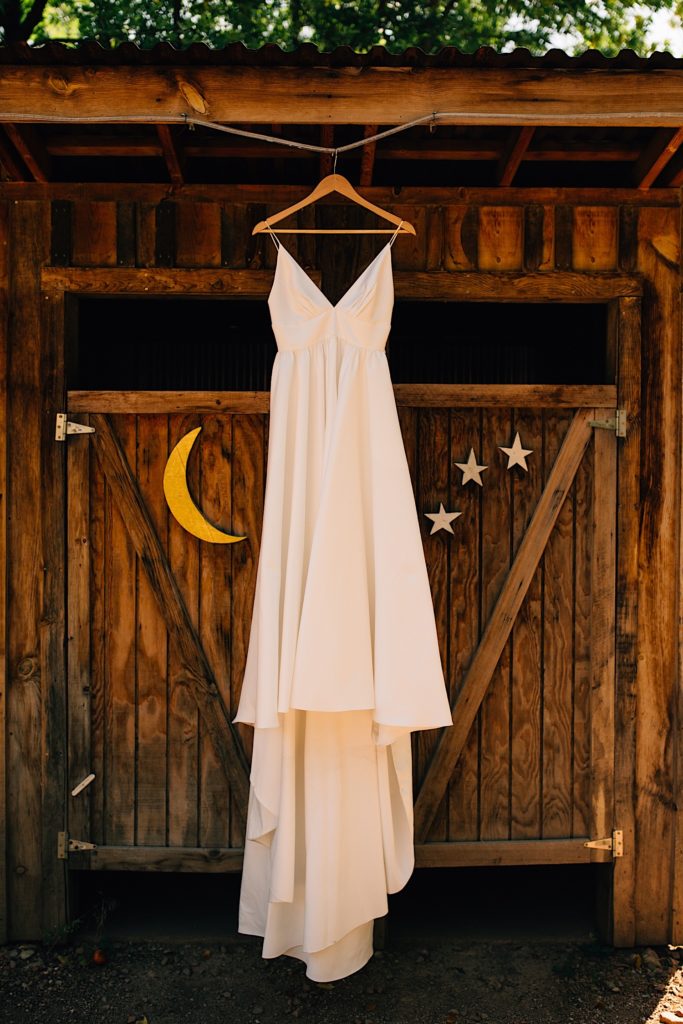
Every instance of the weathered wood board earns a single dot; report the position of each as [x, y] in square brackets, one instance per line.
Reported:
[513, 777]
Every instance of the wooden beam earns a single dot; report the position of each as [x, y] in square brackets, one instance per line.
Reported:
[314, 95]
[627, 691]
[499, 626]
[465, 286]
[383, 195]
[4, 668]
[174, 161]
[161, 280]
[505, 396]
[101, 145]
[160, 858]
[10, 160]
[509, 162]
[658, 519]
[326, 159]
[663, 146]
[224, 147]
[367, 157]
[28, 497]
[593, 150]
[499, 852]
[198, 673]
[674, 173]
[276, 153]
[31, 149]
[428, 855]
[52, 614]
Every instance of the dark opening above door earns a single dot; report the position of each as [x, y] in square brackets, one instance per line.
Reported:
[226, 345]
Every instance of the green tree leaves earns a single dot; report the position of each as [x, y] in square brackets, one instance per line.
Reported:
[608, 25]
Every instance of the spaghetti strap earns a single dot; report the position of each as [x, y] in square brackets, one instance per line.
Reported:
[273, 236]
[391, 240]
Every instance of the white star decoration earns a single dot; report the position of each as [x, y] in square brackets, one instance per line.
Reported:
[470, 469]
[516, 454]
[442, 519]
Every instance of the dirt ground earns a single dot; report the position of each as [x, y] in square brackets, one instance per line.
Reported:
[166, 963]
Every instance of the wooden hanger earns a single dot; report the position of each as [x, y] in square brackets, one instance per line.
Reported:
[335, 183]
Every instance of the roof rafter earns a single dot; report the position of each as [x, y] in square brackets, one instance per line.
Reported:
[663, 146]
[10, 160]
[172, 155]
[509, 162]
[30, 147]
[367, 157]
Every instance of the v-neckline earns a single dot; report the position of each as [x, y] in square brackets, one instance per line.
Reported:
[334, 305]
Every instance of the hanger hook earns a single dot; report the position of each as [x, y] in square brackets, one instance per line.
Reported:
[334, 162]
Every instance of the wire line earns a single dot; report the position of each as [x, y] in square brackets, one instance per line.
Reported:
[433, 119]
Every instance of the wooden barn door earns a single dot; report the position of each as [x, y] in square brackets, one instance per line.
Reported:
[157, 630]
[524, 593]
[524, 596]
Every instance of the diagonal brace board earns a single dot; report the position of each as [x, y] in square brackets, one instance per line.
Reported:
[498, 629]
[200, 677]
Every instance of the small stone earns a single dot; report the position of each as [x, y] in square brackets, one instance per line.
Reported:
[258, 1010]
[26, 953]
[650, 958]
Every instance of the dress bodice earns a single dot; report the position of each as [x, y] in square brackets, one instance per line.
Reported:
[302, 316]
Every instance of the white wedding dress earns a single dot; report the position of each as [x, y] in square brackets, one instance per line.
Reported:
[343, 660]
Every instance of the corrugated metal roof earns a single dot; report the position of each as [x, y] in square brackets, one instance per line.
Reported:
[307, 55]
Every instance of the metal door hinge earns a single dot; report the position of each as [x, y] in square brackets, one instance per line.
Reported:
[65, 846]
[615, 843]
[64, 427]
[618, 424]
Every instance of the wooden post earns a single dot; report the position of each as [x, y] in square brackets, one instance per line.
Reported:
[624, 912]
[658, 598]
[4, 318]
[32, 586]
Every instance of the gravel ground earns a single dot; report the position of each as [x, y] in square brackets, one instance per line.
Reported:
[508, 946]
[443, 983]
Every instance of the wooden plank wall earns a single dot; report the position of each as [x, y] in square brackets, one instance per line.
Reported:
[35, 589]
[525, 771]
[159, 780]
[585, 233]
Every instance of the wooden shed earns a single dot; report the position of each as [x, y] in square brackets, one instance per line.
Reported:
[540, 296]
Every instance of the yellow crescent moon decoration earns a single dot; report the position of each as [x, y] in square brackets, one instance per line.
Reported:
[180, 500]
